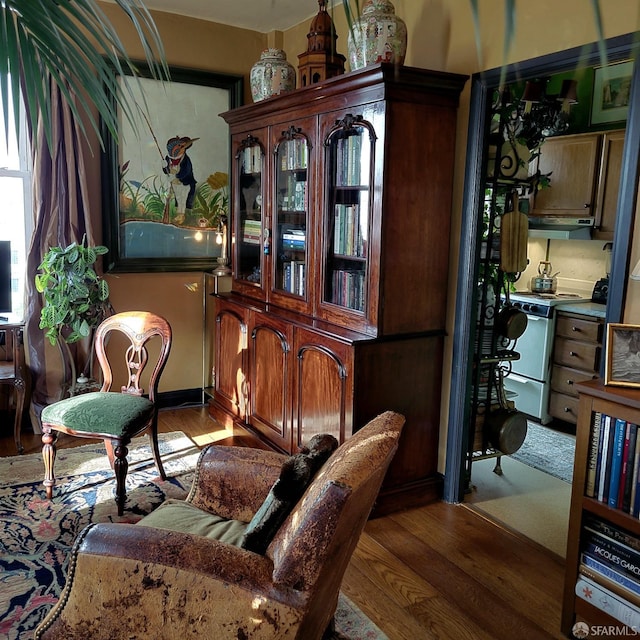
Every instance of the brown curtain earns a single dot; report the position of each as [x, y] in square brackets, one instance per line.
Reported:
[61, 216]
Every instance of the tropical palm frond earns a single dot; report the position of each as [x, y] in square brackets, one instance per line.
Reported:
[73, 43]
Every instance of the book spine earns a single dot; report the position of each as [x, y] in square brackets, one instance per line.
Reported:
[628, 468]
[590, 488]
[614, 533]
[605, 459]
[602, 570]
[607, 601]
[616, 461]
[613, 555]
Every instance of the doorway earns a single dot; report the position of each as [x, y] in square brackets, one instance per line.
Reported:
[483, 88]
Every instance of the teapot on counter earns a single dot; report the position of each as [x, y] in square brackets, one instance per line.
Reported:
[544, 282]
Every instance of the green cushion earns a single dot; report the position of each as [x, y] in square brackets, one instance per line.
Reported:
[112, 413]
[177, 515]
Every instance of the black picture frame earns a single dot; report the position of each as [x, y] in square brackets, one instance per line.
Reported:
[138, 176]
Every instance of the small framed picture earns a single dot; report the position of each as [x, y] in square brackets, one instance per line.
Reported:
[622, 367]
[611, 92]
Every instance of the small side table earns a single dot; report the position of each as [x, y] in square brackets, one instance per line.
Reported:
[13, 371]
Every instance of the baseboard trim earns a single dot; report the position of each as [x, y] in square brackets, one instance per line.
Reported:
[181, 398]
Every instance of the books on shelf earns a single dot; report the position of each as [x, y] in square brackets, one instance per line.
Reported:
[349, 233]
[293, 155]
[613, 464]
[252, 159]
[348, 161]
[294, 272]
[251, 231]
[348, 289]
[294, 239]
[606, 600]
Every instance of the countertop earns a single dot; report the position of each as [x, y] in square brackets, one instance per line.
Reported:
[592, 309]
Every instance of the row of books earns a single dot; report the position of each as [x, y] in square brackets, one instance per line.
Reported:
[350, 169]
[609, 570]
[613, 466]
[294, 239]
[293, 279]
[294, 195]
[251, 231]
[251, 159]
[348, 289]
[293, 155]
[349, 234]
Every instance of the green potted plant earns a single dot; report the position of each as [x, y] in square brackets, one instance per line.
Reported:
[76, 300]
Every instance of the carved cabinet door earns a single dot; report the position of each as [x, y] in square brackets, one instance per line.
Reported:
[323, 387]
[230, 366]
[270, 378]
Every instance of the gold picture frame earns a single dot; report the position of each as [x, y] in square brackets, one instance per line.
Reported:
[622, 366]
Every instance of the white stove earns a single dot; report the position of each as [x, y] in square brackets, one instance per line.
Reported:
[542, 304]
[529, 381]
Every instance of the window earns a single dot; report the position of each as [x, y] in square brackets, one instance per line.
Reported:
[15, 194]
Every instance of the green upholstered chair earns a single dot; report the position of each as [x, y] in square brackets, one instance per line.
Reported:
[116, 417]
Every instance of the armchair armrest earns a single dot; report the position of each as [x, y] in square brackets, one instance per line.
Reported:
[233, 482]
[136, 581]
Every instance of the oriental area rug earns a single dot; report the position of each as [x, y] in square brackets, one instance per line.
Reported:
[36, 535]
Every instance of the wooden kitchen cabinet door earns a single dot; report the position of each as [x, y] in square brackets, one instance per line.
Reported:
[609, 184]
[572, 162]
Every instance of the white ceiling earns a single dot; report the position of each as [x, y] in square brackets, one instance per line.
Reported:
[258, 15]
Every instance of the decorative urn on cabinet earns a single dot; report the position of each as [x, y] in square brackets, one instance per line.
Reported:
[378, 35]
[271, 75]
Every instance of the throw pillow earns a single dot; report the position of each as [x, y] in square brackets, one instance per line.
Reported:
[295, 476]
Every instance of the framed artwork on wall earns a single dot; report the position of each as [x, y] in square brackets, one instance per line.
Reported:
[622, 367]
[611, 92]
[165, 181]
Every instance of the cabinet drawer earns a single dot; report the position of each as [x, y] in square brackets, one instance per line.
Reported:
[579, 329]
[563, 407]
[577, 355]
[563, 379]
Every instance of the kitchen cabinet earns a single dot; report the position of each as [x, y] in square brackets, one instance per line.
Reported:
[585, 175]
[340, 240]
[608, 184]
[576, 357]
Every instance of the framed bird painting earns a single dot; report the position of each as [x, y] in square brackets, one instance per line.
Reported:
[165, 180]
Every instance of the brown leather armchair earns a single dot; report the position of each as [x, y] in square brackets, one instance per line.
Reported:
[132, 581]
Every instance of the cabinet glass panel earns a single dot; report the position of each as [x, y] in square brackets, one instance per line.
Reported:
[249, 234]
[349, 151]
[290, 229]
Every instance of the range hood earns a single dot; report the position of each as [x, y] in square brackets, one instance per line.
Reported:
[560, 228]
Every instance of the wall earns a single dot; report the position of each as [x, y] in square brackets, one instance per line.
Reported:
[441, 37]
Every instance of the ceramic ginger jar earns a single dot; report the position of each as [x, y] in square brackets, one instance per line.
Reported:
[378, 35]
[271, 75]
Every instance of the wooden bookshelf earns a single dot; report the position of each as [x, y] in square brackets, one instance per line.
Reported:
[623, 403]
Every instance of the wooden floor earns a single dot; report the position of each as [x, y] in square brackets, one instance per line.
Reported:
[438, 572]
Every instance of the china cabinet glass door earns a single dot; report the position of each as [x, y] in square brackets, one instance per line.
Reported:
[290, 228]
[250, 241]
[349, 149]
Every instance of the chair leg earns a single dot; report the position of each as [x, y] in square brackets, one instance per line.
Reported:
[49, 458]
[121, 466]
[155, 449]
[17, 424]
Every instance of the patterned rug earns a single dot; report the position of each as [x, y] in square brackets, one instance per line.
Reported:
[36, 535]
[548, 450]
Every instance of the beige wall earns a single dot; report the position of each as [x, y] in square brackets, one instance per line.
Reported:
[440, 35]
